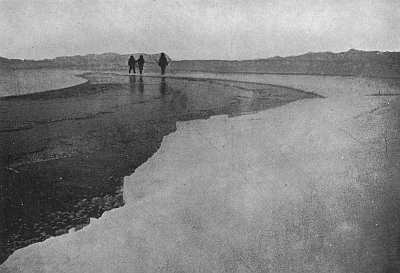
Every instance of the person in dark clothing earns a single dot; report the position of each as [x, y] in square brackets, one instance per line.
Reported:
[131, 64]
[141, 62]
[163, 63]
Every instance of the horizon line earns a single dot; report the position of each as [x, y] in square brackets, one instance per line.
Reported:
[232, 60]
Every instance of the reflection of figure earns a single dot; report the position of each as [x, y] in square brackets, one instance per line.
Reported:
[178, 101]
[131, 64]
[163, 86]
[132, 81]
[183, 101]
[163, 63]
[141, 85]
[140, 62]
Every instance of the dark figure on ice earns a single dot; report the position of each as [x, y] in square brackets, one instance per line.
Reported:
[131, 64]
[163, 63]
[141, 62]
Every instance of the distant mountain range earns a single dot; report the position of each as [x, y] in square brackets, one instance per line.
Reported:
[113, 61]
[352, 62]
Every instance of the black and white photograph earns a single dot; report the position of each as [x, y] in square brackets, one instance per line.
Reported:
[199, 136]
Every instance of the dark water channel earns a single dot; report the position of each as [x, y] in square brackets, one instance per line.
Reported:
[64, 153]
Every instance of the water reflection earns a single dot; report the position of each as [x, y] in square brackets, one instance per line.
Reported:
[132, 82]
[141, 85]
[175, 99]
[163, 86]
[178, 101]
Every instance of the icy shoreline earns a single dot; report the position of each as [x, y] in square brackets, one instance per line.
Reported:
[286, 189]
[21, 82]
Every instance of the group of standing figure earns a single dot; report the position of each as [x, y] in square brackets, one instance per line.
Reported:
[162, 62]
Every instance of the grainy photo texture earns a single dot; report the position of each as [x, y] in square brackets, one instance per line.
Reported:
[199, 136]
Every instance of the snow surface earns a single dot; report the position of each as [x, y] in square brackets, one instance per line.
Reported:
[284, 190]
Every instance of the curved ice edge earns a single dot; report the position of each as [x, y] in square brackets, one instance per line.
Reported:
[225, 77]
[180, 126]
[80, 76]
[365, 85]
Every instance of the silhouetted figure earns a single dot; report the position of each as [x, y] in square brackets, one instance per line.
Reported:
[163, 63]
[140, 62]
[131, 64]
[141, 84]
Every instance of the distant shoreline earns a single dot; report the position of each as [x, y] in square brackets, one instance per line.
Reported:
[173, 74]
[291, 74]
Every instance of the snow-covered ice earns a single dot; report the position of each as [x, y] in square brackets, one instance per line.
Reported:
[306, 187]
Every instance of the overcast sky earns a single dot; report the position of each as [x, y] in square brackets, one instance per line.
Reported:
[196, 29]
